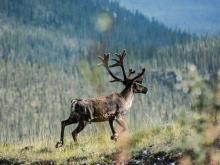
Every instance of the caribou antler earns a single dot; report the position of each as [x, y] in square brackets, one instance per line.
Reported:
[139, 77]
[120, 62]
[104, 62]
[130, 72]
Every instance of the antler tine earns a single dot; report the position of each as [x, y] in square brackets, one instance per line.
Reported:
[120, 62]
[131, 72]
[139, 75]
[104, 62]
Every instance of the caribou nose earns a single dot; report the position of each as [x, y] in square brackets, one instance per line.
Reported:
[145, 90]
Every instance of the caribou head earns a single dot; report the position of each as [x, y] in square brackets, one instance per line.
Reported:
[129, 81]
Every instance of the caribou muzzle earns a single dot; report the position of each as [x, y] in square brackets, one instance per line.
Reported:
[139, 88]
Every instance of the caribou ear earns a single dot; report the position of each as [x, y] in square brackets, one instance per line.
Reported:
[72, 101]
[140, 79]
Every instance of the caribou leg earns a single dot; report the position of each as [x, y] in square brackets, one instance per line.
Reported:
[78, 129]
[122, 123]
[115, 135]
[64, 123]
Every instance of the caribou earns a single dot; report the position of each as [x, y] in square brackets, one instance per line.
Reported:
[109, 108]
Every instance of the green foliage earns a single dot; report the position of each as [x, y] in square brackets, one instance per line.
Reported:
[203, 53]
[93, 76]
[204, 139]
[59, 32]
[204, 90]
[35, 98]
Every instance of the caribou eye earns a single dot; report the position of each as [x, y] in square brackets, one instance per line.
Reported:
[140, 82]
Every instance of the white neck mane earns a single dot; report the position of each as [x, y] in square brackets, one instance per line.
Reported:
[129, 100]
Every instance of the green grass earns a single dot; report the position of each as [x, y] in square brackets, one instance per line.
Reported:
[92, 148]
[196, 141]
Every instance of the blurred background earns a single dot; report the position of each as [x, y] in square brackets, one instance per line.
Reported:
[200, 17]
[49, 49]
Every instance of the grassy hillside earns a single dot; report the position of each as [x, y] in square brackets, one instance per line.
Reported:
[36, 94]
[93, 148]
[29, 92]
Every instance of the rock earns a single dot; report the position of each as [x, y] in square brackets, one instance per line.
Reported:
[44, 162]
[27, 148]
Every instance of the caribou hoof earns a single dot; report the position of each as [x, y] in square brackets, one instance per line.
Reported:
[59, 144]
[74, 137]
[114, 137]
